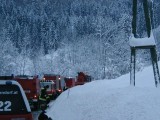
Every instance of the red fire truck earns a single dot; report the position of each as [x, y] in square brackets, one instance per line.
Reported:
[31, 87]
[82, 78]
[69, 81]
[51, 91]
[57, 79]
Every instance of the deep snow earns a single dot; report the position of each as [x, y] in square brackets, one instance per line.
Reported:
[110, 100]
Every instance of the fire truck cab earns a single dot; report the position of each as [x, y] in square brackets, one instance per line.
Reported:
[31, 86]
[57, 79]
[51, 91]
[82, 78]
[13, 102]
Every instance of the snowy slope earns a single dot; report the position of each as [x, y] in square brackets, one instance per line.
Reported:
[110, 100]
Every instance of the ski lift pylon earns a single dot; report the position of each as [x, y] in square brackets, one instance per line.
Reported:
[148, 13]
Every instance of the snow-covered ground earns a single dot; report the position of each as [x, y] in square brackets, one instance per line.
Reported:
[110, 100]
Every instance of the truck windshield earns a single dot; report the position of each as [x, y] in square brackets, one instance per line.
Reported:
[11, 100]
[42, 84]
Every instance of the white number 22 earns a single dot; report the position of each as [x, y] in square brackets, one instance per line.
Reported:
[5, 106]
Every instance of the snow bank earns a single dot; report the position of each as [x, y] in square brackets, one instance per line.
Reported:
[110, 100]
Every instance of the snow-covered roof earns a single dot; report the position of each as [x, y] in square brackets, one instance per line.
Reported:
[136, 42]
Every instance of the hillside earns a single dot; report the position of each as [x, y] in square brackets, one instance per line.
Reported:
[84, 35]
